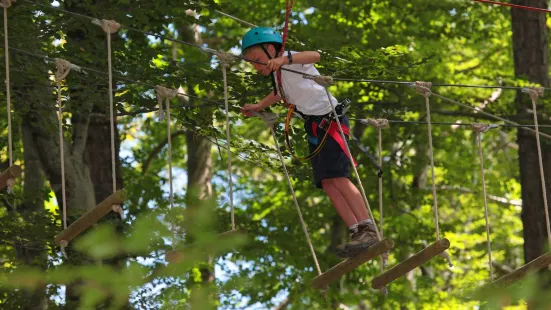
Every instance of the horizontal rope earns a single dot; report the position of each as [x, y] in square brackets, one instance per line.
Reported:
[452, 123]
[214, 52]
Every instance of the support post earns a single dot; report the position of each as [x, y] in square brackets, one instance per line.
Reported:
[91, 217]
[410, 263]
[323, 280]
[526, 270]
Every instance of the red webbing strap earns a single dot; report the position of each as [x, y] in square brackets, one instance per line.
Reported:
[334, 132]
[288, 7]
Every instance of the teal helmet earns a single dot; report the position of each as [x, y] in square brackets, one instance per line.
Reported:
[260, 35]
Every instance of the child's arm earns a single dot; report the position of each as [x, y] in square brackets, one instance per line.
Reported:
[308, 57]
[264, 103]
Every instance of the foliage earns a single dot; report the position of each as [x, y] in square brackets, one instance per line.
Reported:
[442, 42]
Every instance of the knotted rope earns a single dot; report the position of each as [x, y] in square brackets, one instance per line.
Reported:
[63, 69]
[424, 88]
[167, 95]
[270, 119]
[225, 62]
[535, 93]
[6, 4]
[110, 27]
[379, 124]
[479, 129]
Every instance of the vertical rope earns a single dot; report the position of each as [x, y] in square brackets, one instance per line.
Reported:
[63, 69]
[534, 94]
[62, 153]
[6, 5]
[110, 27]
[168, 94]
[424, 89]
[269, 120]
[225, 61]
[479, 129]
[380, 124]
[325, 81]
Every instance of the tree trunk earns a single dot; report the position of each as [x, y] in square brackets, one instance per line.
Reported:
[531, 57]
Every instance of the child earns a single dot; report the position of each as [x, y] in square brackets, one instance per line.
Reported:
[331, 166]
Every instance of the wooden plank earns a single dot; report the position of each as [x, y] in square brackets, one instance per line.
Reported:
[12, 172]
[176, 256]
[91, 217]
[411, 263]
[351, 263]
[528, 269]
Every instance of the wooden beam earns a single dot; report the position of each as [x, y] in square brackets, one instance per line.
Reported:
[91, 217]
[351, 263]
[411, 263]
[176, 256]
[530, 268]
[12, 172]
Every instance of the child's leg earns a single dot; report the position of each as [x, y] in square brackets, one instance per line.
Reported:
[352, 196]
[339, 202]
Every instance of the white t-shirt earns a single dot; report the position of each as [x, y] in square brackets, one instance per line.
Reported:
[308, 96]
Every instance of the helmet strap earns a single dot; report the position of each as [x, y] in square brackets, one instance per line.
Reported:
[272, 75]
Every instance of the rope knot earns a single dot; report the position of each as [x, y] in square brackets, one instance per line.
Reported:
[63, 244]
[479, 127]
[378, 123]
[423, 88]
[109, 26]
[10, 184]
[322, 80]
[166, 93]
[534, 92]
[118, 209]
[6, 3]
[446, 255]
[226, 59]
[63, 69]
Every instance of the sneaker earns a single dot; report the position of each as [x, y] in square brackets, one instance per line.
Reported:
[365, 237]
[342, 250]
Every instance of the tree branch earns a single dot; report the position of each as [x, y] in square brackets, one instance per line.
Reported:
[283, 305]
[491, 197]
[158, 149]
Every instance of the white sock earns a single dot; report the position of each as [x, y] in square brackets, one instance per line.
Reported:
[368, 221]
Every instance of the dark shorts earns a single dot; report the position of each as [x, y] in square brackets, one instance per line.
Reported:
[331, 161]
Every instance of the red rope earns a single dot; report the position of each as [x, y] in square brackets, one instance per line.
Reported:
[288, 7]
[515, 6]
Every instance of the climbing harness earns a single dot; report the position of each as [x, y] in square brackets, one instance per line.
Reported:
[325, 122]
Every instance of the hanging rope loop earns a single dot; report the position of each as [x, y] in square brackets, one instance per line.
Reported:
[423, 88]
[162, 93]
[6, 3]
[109, 26]
[378, 123]
[480, 128]
[226, 59]
[63, 68]
[534, 92]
